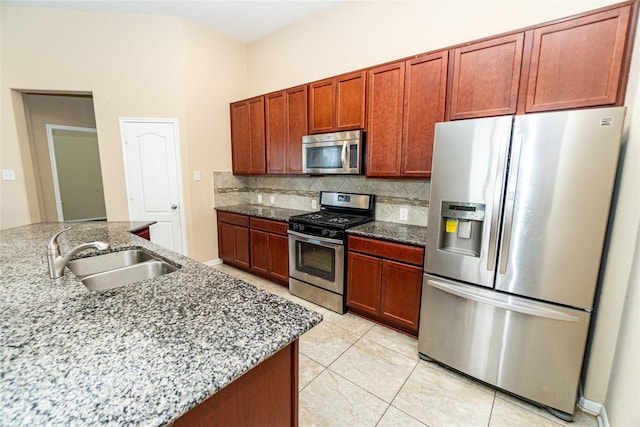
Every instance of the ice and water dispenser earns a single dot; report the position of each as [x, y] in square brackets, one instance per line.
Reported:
[461, 227]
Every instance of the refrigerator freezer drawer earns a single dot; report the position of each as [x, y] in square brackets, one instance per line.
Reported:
[531, 349]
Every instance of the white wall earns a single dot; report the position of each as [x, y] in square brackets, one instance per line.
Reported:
[356, 35]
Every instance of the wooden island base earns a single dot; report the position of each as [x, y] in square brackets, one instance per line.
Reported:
[267, 395]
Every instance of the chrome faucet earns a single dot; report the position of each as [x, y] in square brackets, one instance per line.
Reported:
[57, 262]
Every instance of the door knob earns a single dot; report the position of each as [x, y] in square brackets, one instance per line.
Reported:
[174, 206]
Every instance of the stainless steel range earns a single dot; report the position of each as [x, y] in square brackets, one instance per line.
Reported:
[317, 256]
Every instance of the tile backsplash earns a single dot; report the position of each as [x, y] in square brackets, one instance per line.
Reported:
[300, 192]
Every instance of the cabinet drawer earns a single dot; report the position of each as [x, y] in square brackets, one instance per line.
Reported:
[232, 218]
[268, 225]
[395, 251]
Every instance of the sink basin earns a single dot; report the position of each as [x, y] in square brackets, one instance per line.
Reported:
[127, 275]
[97, 264]
[117, 269]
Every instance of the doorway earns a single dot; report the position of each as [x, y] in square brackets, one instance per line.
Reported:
[77, 176]
[74, 110]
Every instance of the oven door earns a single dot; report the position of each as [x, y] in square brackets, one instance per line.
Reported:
[318, 261]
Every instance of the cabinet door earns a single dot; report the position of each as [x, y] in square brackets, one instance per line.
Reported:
[241, 243]
[248, 137]
[385, 103]
[279, 249]
[350, 101]
[425, 90]
[226, 241]
[260, 255]
[240, 138]
[578, 63]
[401, 287]
[257, 136]
[297, 127]
[276, 132]
[363, 282]
[485, 78]
[322, 101]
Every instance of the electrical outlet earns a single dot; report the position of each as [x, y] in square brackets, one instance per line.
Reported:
[259, 198]
[8, 175]
[404, 214]
[273, 199]
[196, 175]
[314, 204]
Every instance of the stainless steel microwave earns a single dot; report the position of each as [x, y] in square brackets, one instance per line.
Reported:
[333, 153]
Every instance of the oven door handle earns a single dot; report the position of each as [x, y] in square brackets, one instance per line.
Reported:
[316, 239]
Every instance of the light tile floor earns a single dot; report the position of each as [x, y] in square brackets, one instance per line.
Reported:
[354, 372]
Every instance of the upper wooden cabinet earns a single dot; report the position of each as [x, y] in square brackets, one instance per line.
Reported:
[337, 104]
[578, 63]
[248, 137]
[404, 102]
[485, 78]
[286, 124]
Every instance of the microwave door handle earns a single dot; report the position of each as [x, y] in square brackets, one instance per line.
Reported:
[345, 164]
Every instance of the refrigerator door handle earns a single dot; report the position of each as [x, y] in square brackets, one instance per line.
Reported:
[509, 203]
[497, 204]
[532, 311]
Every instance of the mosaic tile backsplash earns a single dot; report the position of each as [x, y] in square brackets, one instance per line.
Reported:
[392, 196]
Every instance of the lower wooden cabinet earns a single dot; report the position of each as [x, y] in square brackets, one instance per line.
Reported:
[233, 239]
[270, 249]
[257, 245]
[144, 233]
[384, 281]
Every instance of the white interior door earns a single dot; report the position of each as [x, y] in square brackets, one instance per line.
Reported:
[152, 168]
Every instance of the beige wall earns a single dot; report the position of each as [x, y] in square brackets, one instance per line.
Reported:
[134, 66]
[387, 30]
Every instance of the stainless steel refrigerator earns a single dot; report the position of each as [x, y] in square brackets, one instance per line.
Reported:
[517, 220]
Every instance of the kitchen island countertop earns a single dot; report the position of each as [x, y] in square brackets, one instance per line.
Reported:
[143, 354]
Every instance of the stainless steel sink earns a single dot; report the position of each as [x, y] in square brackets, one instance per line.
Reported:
[117, 269]
[127, 275]
[97, 264]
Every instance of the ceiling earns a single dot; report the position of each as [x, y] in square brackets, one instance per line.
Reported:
[242, 20]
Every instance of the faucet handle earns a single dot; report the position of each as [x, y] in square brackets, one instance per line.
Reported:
[53, 246]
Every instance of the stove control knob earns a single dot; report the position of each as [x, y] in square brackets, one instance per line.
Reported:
[325, 232]
[333, 233]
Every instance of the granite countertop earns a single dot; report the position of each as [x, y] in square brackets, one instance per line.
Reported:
[141, 355]
[262, 211]
[392, 231]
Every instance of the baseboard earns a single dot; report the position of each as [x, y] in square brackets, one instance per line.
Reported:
[595, 408]
[213, 262]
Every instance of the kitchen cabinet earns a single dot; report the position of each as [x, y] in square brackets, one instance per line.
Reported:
[485, 78]
[405, 100]
[337, 104]
[248, 137]
[233, 239]
[286, 123]
[144, 233]
[578, 63]
[384, 281]
[270, 249]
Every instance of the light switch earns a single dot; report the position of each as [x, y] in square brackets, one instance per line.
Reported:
[196, 175]
[404, 214]
[8, 175]
[259, 198]
[273, 199]
[314, 204]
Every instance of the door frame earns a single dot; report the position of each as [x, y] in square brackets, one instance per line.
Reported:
[176, 134]
[54, 168]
